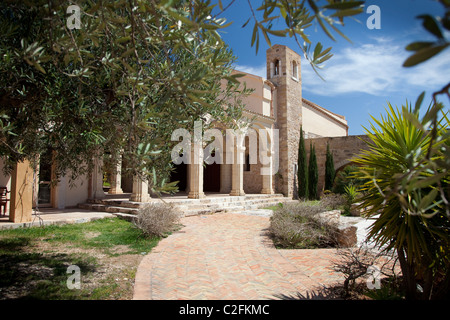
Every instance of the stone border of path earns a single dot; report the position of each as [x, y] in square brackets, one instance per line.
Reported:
[47, 217]
[362, 224]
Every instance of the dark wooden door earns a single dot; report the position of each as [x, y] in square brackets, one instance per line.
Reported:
[180, 174]
[211, 178]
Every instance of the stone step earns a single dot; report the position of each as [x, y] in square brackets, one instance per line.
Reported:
[221, 200]
[229, 204]
[191, 206]
[247, 203]
[118, 203]
[190, 210]
[106, 208]
[205, 201]
[193, 212]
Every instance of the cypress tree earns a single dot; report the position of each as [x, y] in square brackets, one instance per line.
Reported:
[329, 170]
[313, 174]
[302, 168]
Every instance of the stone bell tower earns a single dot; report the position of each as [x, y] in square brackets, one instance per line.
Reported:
[283, 70]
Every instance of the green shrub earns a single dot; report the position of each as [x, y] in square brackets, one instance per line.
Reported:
[313, 174]
[302, 170]
[299, 226]
[329, 170]
[346, 177]
[350, 196]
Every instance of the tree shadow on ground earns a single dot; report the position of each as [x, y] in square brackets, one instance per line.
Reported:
[37, 275]
[324, 293]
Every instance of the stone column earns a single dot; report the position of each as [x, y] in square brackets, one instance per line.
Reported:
[268, 142]
[140, 190]
[225, 178]
[21, 201]
[237, 171]
[266, 172]
[36, 183]
[116, 177]
[195, 175]
[58, 193]
[96, 180]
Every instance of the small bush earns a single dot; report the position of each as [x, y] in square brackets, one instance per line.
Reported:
[332, 201]
[156, 219]
[351, 196]
[346, 177]
[299, 226]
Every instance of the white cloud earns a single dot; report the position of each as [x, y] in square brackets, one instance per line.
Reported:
[375, 69]
[371, 68]
[258, 70]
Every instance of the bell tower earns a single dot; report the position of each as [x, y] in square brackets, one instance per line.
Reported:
[284, 71]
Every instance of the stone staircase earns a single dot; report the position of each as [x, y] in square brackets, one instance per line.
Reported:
[189, 207]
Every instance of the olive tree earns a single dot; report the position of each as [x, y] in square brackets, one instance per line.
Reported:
[132, 73]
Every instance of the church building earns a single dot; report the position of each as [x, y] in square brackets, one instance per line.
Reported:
[276, 103]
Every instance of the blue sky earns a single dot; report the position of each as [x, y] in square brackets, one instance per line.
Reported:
[362, 76]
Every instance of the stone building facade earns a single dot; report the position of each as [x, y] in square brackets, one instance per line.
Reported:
[275, 106]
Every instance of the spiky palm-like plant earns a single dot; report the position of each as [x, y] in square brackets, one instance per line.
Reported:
[405, 187]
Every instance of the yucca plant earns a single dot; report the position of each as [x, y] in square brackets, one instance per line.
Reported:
[350, 196]
[405, 187]
[351, 193]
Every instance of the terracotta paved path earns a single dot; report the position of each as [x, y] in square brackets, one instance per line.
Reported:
[229, 256]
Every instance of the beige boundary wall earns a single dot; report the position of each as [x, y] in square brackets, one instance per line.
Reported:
[344, 149]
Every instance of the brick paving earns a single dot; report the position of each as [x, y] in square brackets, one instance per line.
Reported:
[229, 256]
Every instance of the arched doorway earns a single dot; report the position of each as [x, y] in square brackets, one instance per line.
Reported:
[180, 174]
[211, 175]
[211, 178]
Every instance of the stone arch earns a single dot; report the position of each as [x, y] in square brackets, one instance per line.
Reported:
[342, 164]
[277, 67]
